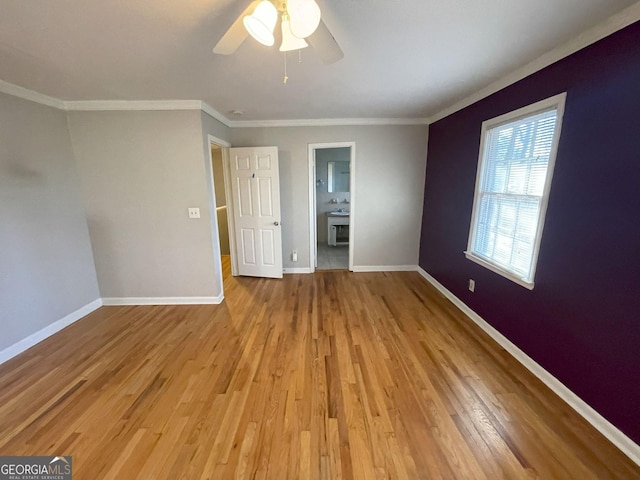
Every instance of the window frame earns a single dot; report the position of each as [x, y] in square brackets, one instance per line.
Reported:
[556, 102]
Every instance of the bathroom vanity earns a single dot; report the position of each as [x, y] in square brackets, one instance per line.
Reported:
[338, 228]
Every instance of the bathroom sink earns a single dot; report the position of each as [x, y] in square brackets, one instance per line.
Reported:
[338, 214]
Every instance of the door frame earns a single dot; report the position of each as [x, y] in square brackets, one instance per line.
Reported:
[213, 213]
[313, 233]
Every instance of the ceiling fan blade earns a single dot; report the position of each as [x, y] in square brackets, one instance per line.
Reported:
[236, 34]
[325, 45]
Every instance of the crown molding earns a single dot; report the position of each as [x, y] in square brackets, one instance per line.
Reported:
[149, 105]
[327, 122]
[26, 94]
[213, 113]
[125, 105]
[168, 105]
[614, 23]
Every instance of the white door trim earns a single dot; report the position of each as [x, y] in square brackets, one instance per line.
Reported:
[313, 234]
[213, 214]
[231, 224]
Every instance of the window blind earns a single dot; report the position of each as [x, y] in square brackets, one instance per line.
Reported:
[510, 191]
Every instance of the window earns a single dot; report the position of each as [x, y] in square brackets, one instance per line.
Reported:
[515, 166]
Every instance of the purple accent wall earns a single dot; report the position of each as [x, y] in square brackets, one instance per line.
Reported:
[582, 320]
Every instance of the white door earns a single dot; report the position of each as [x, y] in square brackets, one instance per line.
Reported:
[255, 186]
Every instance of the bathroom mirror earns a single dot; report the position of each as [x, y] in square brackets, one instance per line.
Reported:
[338, 177]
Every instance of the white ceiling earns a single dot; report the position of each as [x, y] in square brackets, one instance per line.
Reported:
[403, 58]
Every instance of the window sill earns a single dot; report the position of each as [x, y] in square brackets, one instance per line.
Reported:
[499, 271]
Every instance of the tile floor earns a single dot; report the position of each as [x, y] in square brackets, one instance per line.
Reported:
[333, 258]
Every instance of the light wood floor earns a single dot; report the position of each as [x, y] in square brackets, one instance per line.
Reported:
[226, 266]
[332, 375]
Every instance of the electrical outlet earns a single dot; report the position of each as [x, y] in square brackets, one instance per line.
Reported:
[472, 285]
[294, 256]
[194, 212]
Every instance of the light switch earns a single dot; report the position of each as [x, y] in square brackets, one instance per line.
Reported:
[194, 212]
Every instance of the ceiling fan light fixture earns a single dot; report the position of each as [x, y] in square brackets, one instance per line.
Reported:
[289, 41]
[304, 17]
[261, 23]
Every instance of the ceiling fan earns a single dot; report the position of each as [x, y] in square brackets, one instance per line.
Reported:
[300, 23]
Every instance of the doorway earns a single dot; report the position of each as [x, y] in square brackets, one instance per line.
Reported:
[244, 192]
[221, 222]
[222, 216]
[331, 199]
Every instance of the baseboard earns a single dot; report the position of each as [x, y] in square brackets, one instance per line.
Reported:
[384, 268]
[361, 268]
[58, 325]
[617, 437]
[112, 301]
[296, 270]
[47, 331]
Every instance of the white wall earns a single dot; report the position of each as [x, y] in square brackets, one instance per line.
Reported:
[140, 172]
[46, 265]
[390, 168]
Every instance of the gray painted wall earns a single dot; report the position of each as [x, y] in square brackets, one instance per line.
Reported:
[140, 172]
[211, 126]
[137, 173]
[390, 167]
[46, 264]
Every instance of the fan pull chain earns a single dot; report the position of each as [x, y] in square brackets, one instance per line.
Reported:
[286, 77]
[284, 80]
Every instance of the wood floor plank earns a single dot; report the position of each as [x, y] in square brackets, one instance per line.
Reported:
[334, 375]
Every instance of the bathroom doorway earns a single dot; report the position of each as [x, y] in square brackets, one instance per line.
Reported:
[331, 205]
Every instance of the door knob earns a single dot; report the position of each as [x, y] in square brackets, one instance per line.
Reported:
[276, 223]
